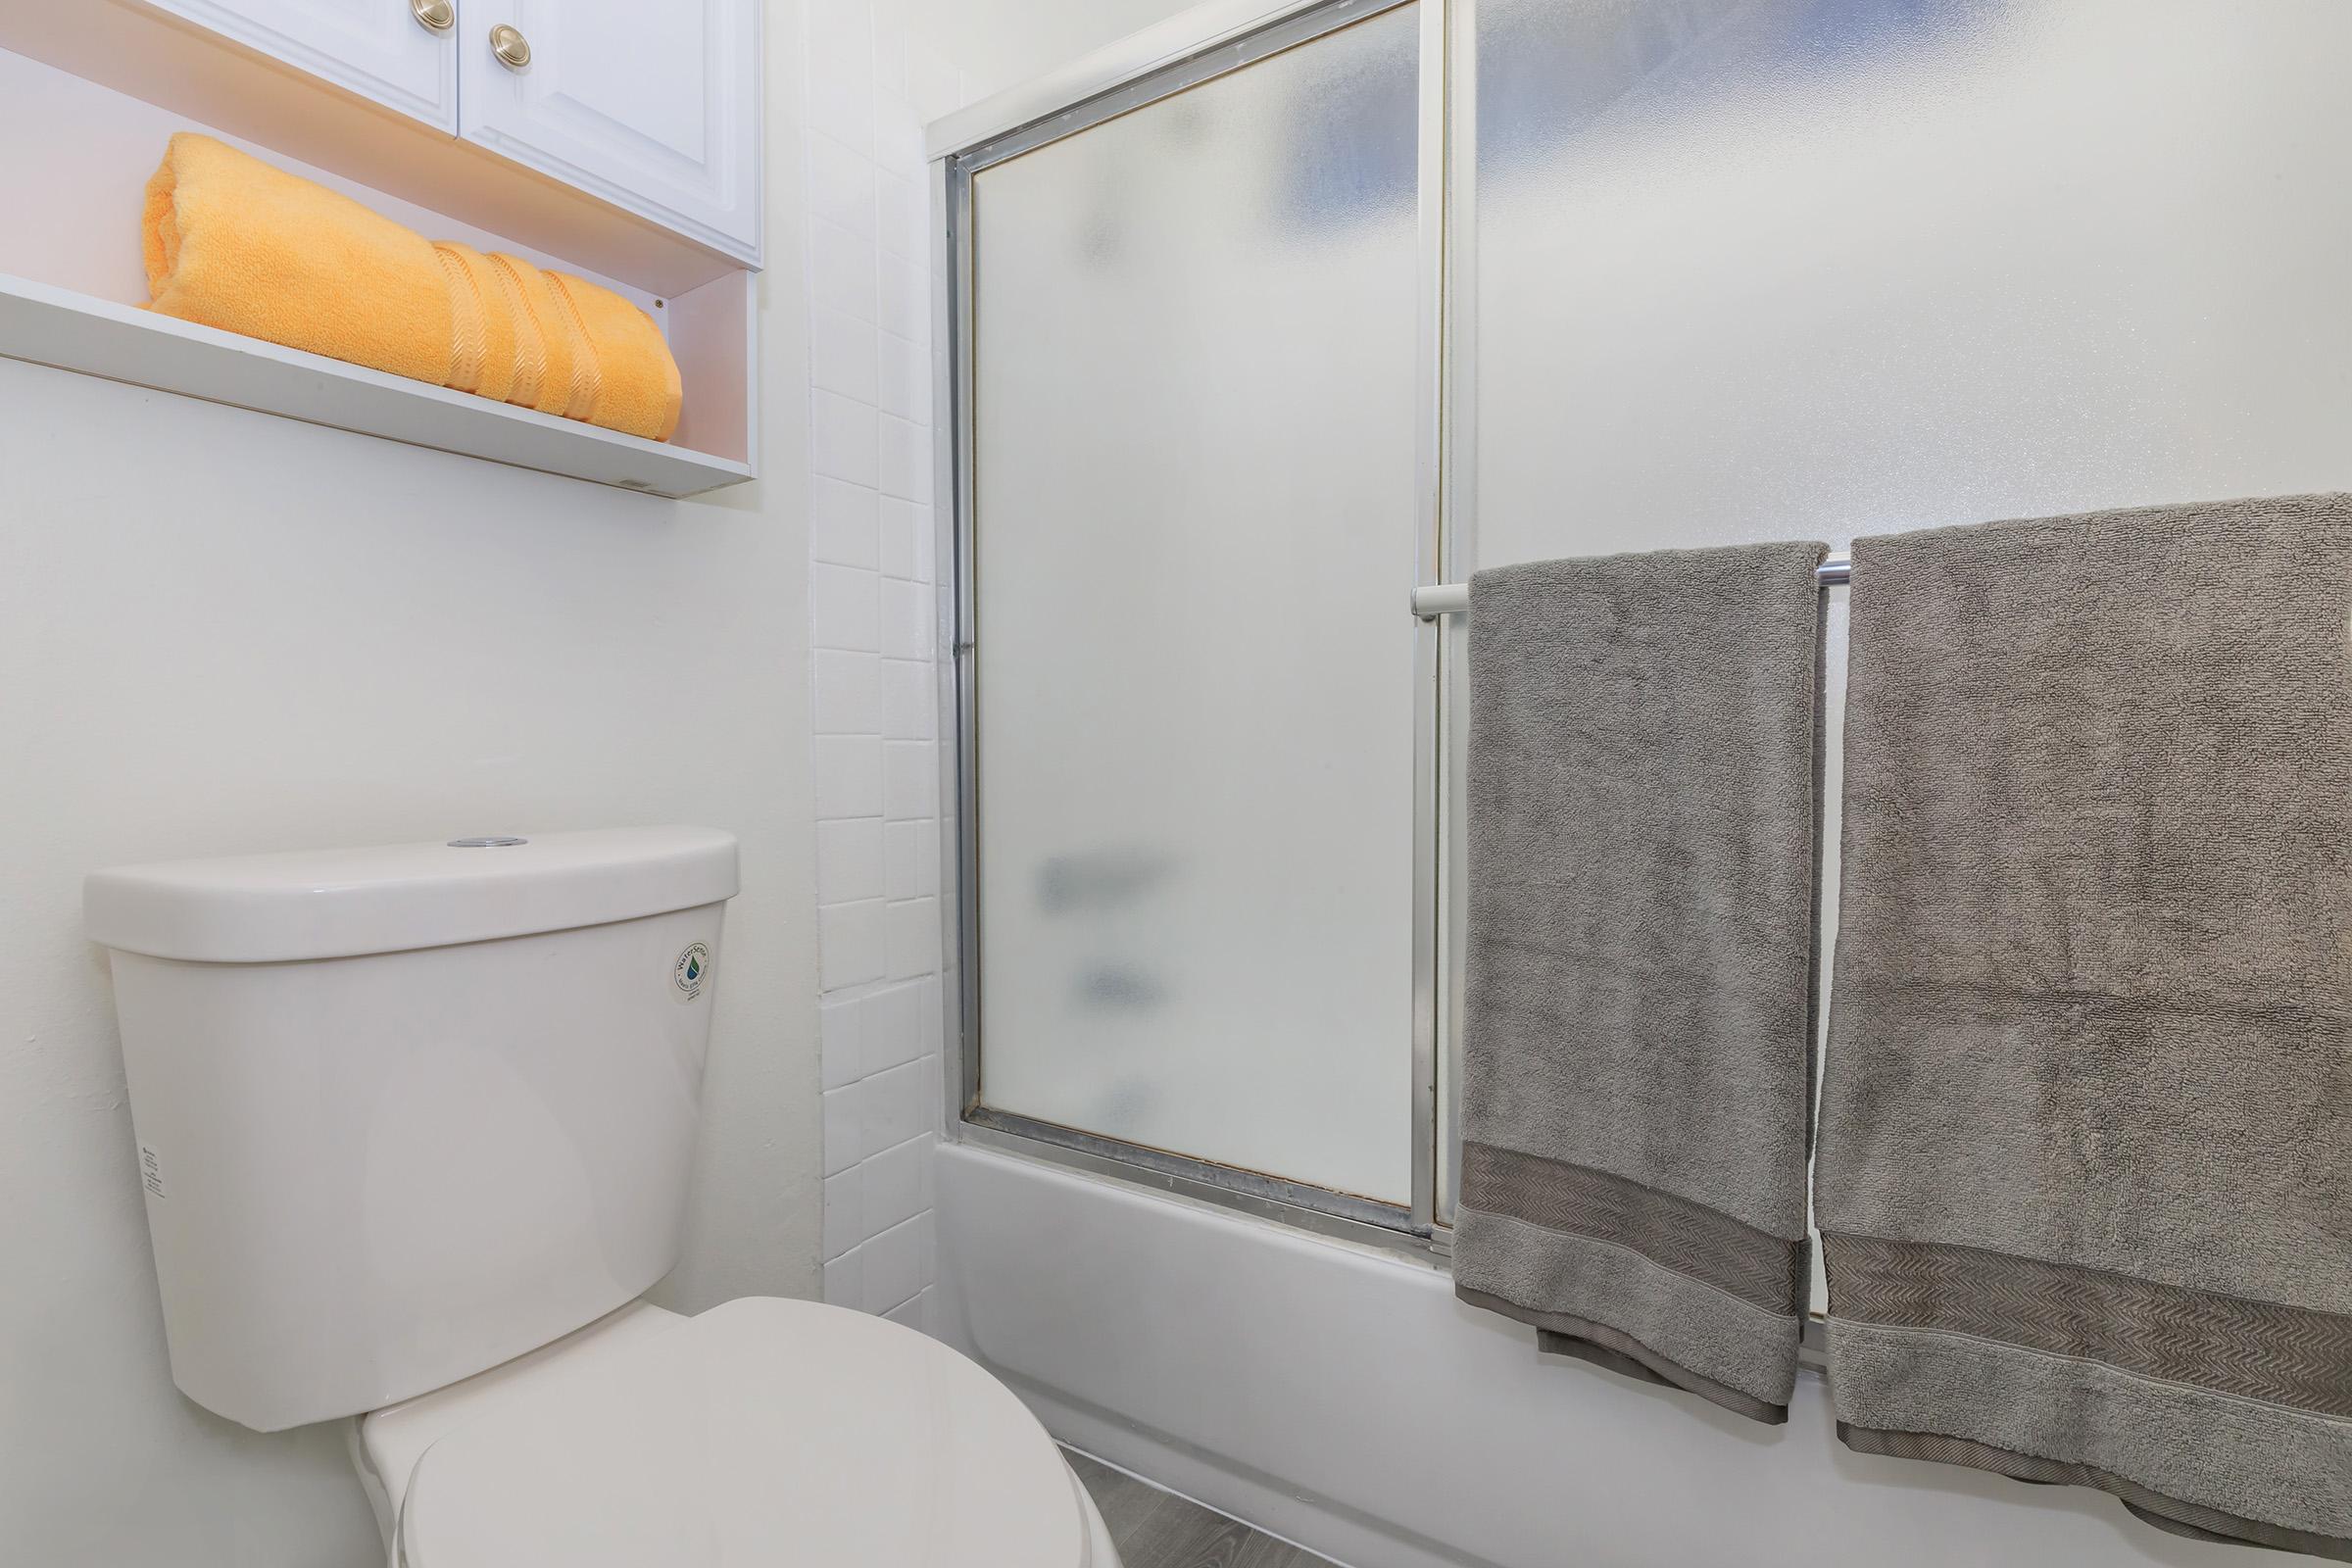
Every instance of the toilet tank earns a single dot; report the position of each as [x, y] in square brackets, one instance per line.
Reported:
[406, 1112]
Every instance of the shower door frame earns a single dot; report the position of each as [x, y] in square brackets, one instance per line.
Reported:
[1194, 47]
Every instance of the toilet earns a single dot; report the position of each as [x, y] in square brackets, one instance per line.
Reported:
[415, 1125]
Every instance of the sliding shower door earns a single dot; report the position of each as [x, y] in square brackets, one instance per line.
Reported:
[1732, 270]
[1198, 391]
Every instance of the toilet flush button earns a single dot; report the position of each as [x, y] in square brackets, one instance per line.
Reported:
[486, 844]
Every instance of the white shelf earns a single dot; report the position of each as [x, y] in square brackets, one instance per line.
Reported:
[56, 327]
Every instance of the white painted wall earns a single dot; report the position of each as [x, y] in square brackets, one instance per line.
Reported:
[226, 632]
[998, 45]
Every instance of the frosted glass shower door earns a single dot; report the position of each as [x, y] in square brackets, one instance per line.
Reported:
[1196, 380]
[1750, 269]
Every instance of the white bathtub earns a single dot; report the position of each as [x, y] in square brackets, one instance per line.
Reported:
[1344, 1399]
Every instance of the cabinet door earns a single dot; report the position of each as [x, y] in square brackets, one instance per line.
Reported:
[653, 108]
[375, 48]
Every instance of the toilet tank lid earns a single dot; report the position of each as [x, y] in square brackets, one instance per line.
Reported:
[332, 903]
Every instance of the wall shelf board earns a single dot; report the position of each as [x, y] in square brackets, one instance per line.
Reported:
[56, 327]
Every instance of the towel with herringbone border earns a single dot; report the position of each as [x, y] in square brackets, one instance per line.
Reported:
[1638, 1008]
[2085, 1171]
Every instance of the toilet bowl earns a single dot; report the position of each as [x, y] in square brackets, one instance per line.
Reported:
[762, 1431]
[415, 1124]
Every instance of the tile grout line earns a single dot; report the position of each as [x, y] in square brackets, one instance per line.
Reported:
[879, 908]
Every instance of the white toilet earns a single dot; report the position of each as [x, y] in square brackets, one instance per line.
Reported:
[415, 1125]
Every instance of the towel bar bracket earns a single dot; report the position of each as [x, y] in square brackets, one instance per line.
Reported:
[1440, 599]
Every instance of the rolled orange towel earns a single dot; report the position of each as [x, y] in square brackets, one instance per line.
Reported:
[237, 244]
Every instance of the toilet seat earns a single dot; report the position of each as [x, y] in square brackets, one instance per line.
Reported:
[761, 1432]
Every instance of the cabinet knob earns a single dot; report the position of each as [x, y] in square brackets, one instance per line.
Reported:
[512, 49]
[433, 15]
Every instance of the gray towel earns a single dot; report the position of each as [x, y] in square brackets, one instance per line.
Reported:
[1640, 1004]
[2086, 1174]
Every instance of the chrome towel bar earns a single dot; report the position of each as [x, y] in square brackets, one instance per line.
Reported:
[1453, 597]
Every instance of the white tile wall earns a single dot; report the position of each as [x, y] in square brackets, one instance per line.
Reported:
[870, 605]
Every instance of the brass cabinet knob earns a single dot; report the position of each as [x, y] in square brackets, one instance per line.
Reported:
[512, 49]
[433, 15]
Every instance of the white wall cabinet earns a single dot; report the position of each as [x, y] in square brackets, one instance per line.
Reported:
[655, 108]
[379, 49]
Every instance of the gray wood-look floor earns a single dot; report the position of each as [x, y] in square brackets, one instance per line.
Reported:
[1155, 1529]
